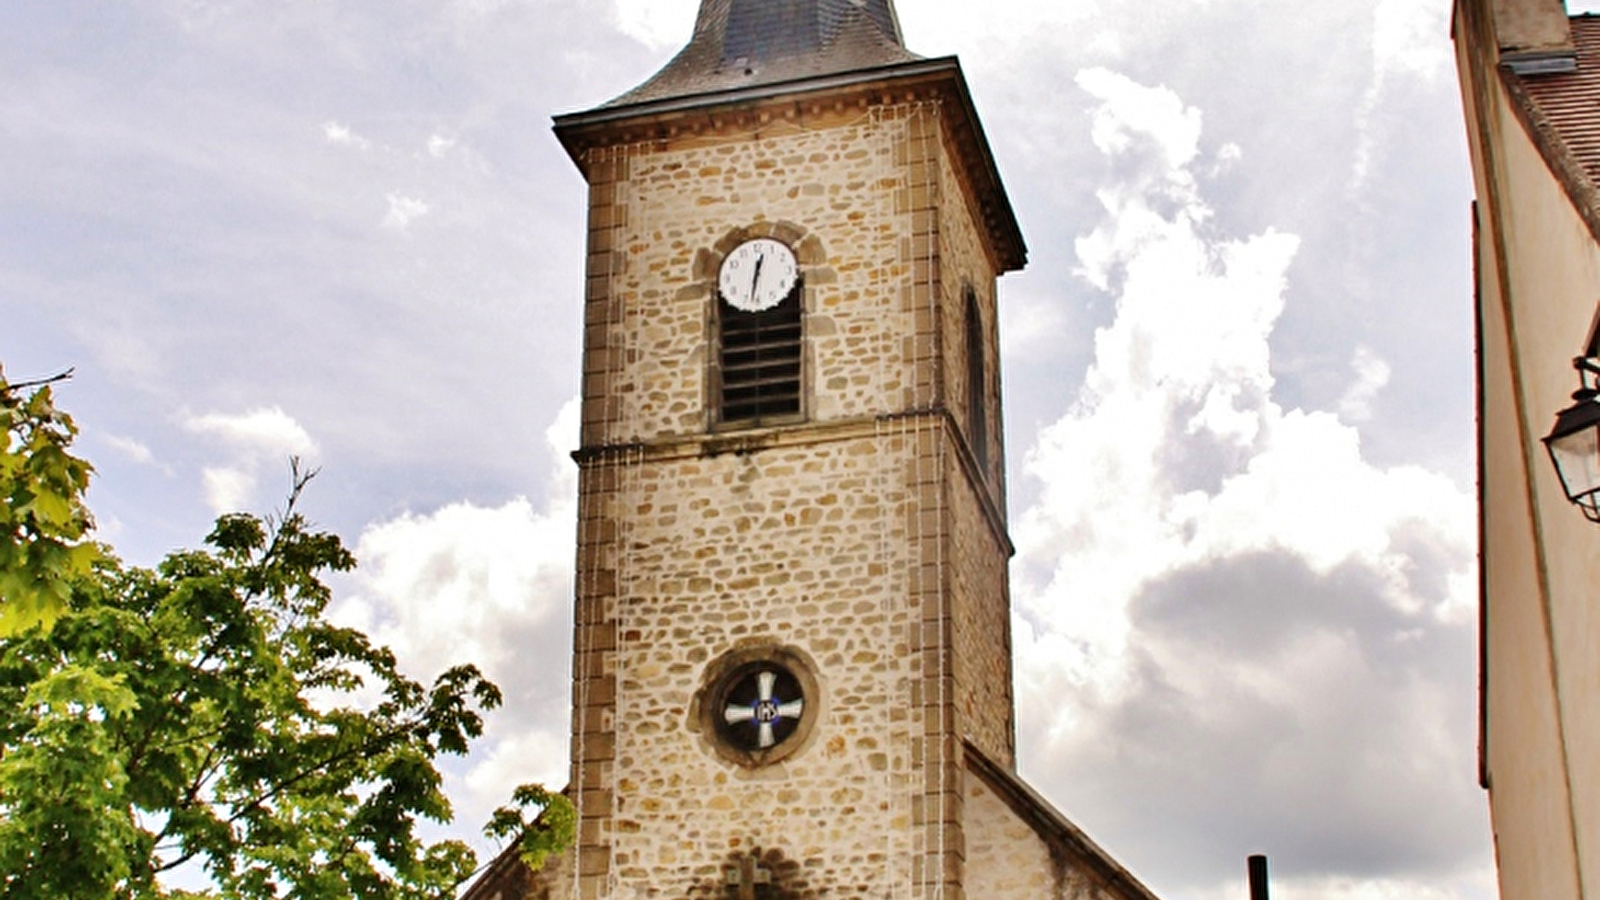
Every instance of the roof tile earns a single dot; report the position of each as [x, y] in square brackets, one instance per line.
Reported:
[1570, 102]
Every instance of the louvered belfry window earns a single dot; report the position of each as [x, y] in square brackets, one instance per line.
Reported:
[759, 361]
[977, 383]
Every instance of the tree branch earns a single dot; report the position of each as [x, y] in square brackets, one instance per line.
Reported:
[260, 800]
[39, 382]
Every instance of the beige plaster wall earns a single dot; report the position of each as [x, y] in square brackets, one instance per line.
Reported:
[1539, 283]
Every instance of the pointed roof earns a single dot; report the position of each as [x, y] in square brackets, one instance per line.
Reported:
[748, 43]
[749, 59]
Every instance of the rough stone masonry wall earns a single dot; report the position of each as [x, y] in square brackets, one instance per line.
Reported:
[980, 597]
[980, 621]
[965, 263]
[819, 554]
[803, 547]
[867, 550]
[1005, 858]
[661, 216]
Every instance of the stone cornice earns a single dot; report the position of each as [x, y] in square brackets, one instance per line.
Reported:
[802, 434]
[751, 109]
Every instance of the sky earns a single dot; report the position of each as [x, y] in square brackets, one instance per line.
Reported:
[1237, 371]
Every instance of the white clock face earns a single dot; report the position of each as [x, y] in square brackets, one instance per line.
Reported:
[757, 275]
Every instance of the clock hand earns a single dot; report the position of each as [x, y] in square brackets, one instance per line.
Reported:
[755, 278]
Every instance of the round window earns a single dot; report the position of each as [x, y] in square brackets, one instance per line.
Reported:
[760, 707]
[758, 704]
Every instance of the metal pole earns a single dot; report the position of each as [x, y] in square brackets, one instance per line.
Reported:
[1258, 876]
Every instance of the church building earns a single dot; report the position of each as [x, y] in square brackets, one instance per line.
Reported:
[792, 661]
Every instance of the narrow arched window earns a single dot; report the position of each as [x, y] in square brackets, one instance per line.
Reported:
[977, 383]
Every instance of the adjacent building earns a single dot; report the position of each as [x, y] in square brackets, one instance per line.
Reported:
[1530, 78]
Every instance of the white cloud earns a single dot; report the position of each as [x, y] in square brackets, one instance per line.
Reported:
[1332, 888]
[228, 489]
[1372, 374]
[1032, 326]
[460, 582]
[523, 755]
[658, 24]
[1228, 156]
[939, 27]
[264, 436]
[1133, 114]
[402, 210]
[340, 134]
[131, 448]
[1411, 37]
[264, 430]
[1159, 136]
[491, 586]
[1410, 40]
[1205, 568]
[439, 145]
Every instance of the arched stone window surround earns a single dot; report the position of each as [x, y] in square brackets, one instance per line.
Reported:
[811, 258]
[977, 378]
[724, 675]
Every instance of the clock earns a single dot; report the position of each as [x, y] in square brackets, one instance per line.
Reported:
[757, 275]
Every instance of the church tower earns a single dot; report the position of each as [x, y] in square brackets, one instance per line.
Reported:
[792, 660]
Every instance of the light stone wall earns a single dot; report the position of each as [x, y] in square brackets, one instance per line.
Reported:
[840, 191]
[1007, 858]
[817, 547]
[863, 539]
[980, 622]
[805, 547]
[964, 262]
[979, 552]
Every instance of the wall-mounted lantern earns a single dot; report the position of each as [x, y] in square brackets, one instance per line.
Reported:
[1574, 442]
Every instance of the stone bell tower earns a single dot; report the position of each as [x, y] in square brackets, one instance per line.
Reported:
[792, 660]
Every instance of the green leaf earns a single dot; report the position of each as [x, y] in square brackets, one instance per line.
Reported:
[156, 720]
[44, 518]
[550, 829]
[84, 690]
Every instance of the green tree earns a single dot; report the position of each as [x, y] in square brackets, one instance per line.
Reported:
[204, 715]
[44, 526]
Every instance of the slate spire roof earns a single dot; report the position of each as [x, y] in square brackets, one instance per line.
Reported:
[747, 43]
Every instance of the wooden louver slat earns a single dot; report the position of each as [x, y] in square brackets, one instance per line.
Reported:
[759, 361]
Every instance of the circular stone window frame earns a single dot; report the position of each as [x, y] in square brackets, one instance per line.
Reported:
[724, 674]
